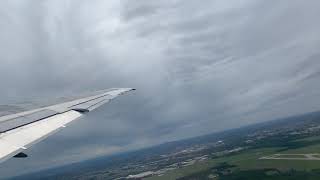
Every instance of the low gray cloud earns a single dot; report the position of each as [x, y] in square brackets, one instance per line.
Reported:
[199, 67]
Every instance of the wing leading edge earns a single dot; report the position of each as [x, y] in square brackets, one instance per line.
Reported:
[20, 131]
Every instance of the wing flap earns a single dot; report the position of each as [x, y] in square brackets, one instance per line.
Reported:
[89, 104]
[25, 119]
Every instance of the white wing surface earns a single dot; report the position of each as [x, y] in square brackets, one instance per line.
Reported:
[20, 131]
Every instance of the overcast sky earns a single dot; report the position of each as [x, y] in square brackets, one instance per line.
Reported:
[199, 67]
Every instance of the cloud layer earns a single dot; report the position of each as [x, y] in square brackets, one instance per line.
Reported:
[199, 67]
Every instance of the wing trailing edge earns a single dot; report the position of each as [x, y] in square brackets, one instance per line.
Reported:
[22, 130]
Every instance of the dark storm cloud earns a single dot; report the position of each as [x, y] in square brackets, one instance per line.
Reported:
[199, 67]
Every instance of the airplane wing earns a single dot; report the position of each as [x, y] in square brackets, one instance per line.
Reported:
[20, 131]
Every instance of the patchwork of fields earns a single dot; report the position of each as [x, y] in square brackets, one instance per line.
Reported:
[249, 163]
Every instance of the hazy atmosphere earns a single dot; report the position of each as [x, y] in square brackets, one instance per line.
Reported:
[198, 67]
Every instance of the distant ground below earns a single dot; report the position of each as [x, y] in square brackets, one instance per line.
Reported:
[282, 149]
